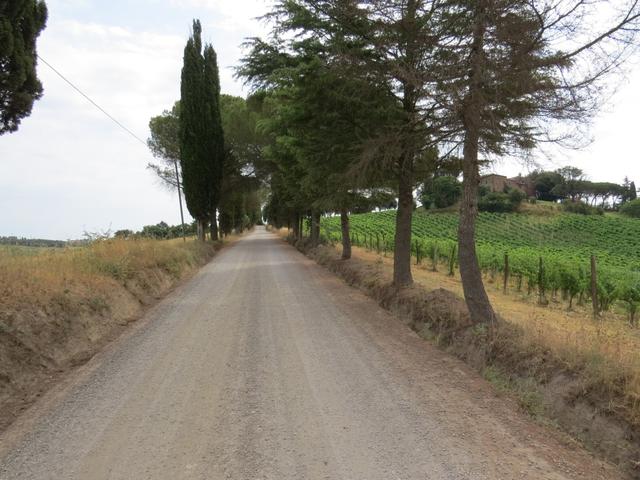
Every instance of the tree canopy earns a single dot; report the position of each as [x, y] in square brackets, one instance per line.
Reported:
[164, 144]
[21, 22]
[455, 79]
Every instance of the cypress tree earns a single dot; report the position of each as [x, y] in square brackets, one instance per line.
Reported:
[213, 140]
[21, 21]
[201, 136]
[194, 176]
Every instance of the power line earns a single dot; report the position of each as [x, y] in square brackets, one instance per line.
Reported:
[92, 102]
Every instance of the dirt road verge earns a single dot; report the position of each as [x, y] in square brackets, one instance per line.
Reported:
[544, 386]
[60, 308]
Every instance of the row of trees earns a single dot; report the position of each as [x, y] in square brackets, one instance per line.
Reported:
[159, 231]
[164, 231]
[369, 96]
[567, 184]
[208, 146]
[31, 242]
[570, 183]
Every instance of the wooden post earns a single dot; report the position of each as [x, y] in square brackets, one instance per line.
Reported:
[435, 257]
[594, 286]
[506, 273]
[184, 234]
[452, 261]
[541, 282]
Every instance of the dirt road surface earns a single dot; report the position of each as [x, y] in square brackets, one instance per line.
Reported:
[265, 366]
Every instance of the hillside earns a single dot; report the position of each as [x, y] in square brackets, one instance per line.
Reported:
[565, 242]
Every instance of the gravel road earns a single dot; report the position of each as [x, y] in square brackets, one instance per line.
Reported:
[265, 366]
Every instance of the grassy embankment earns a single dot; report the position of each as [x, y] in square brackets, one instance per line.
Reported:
[560, 362]
[59, 306]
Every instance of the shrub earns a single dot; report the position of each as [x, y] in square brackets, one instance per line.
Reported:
[441, 192]
[631, 209]
[516, 196]
[581, 208]
[499, 202]
[123, 233]
[629, 293]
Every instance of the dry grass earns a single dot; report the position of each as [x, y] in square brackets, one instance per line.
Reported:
[38, 275]
[605, 351]
[58, 307]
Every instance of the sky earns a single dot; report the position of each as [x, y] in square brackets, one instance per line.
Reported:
[70, 170]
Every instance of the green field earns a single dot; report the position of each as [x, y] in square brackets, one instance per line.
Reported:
[565, 242]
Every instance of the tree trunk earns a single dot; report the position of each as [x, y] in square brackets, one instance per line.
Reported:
[296, 226]
[402, 251]
[475, 295]
[478, 303]
[201, 227]
[214, 225]
[346, 234]
[594, 286]
[301, 229]
[315, 228]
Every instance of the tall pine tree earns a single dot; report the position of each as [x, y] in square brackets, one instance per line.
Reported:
[201, 137]
[21, 21]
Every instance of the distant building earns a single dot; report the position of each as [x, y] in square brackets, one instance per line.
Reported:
[500, 183]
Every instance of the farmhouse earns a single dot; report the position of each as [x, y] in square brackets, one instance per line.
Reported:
[499, 183]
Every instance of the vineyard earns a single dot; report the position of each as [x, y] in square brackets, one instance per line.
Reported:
[548, 256]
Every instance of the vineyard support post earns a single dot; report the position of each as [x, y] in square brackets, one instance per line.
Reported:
[594, 286]
[435, 257]
[452, 261]
[541, 281]
[506, 273]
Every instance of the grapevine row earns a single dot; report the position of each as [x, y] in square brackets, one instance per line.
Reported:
[550, 257]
